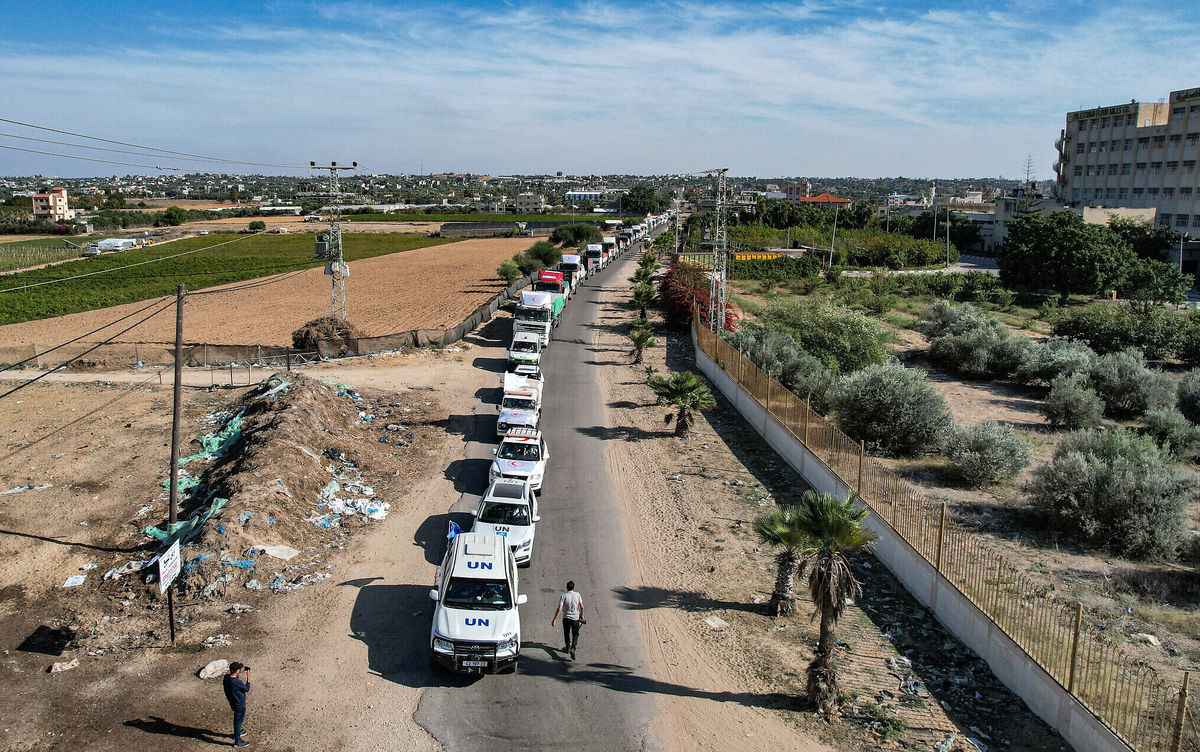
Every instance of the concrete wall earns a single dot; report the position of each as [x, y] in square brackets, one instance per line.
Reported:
[1011, 664]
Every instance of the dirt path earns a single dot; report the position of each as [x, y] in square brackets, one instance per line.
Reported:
[426, 288]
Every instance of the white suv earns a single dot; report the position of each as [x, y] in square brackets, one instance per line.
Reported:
[522, 455]
[509, 508]
[476, 625]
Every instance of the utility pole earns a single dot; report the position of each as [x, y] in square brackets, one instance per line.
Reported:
[933, 207]
[833, 239]
[716, 294]
[335, 267]
[947, 237]
[176, 408]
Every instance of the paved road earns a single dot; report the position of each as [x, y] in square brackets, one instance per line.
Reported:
[600, 701]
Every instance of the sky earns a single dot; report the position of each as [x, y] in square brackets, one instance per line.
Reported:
[919, 88]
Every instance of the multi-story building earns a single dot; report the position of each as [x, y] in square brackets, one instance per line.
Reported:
[584, 194]
[530, 202]
[797, 191]
[52, 206]
[1138, 155]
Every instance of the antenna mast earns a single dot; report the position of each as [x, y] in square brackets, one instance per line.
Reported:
[716, 295]
[331, 249]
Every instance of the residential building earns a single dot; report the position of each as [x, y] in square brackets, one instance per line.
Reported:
[1139, 155]
[584, 194]
[825, 200]
[530, 202]
[795, 192]
[52, 206]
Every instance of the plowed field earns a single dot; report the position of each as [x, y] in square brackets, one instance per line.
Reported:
[427, 288]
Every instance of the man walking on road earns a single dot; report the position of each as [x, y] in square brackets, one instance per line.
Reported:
[570, 606]
[235, 692]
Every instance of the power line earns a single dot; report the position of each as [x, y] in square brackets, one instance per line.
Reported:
[119, 268]
[251, 285]
[165, 306]
[93, 159]
[68, 342]
[86, 146]
[152, 148]
[185, 275]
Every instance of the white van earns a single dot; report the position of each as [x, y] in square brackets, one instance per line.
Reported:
[476, 625]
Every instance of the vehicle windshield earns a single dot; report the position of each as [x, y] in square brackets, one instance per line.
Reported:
[569, 267]
[533, 314]
[518, 403]
[504, 514]
[511, 450]
[593, 254]
[547, 287]
[478, 594]
[525, 347]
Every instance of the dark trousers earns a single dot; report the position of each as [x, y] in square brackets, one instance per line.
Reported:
[571, 633]
[239, 714]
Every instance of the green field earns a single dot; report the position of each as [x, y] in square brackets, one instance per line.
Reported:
[249, 257]
[482, 217]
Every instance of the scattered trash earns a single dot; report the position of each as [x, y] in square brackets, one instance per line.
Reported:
[75, 580]
[1148, 638]
[217, 641]
[215, 669]
[88, 567]
[716, 623]
[977, 744]
[239, 608]
[281, 552]
[254, 585]
[240, 564]
[899, 663]
[23, 489]
[61, 666]
[757, 599]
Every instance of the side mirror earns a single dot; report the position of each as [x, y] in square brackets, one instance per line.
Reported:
[493, 451]
[474, 512]
[537, 518]
[522, 599]
[433, 594]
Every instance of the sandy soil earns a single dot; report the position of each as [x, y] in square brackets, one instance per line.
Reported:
[689, 507]
[426, 288]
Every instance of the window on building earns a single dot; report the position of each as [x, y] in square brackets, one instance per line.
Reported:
[1102, 147]
[1176, 139]
[1088, 171]
[1155, 168]
[1141, 166]
[1172, 167]
[1177, 110]
[1131, 120]
[1087, 194]
[1123, 194]
[1168, 192]
[1078, 170]
[1181, 220]
[1079, 148]
[1129, 144]
[1125, 169]
[1192, 138]
[1112, 169]
[1138, 192]
[1114, 146]
[1152, 192]
[1196, 220]
[1110, 193]
[1103, 122]
[1159, 141]
[1074, 194]
[1092, 123]
[1091, 148]
[1185, 192]
[1188, 166]
[1194, 109]
[1143, 142]
[1164, 220]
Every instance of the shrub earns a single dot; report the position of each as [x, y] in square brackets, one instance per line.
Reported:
[257, 226]
[1128, 387]
[1108, 328]
[508, 271]
[842, 339]
[1189, 395]
[1071, 404]
[1174, 433]
[1114, 489]
[579, 233]
[780, 355]
[969, 343]
[891, 408]
[545, 252]
[1050, 358]
[1187, 339]
[987, 453]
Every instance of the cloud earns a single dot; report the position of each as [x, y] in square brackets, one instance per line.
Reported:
[771, 88]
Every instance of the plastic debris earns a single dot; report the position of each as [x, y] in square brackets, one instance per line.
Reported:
[215, 669]
[88, 567]
[327, 521]
[185, 530]
[240, 608]
[716, 623]
[75, 580]
[254, 585]
[281, 552]
[23, 489]
[215, 444]
[64, 666]
[1148, 639]
[240, 564]
[217, 641]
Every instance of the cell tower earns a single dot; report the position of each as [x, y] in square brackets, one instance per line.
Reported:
[716, 295]
[329, 247]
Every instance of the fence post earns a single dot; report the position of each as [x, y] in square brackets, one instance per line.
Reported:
[231, 373]
[807, 410]
[37, 355]
[768, 405]
[206, 355]
[1181, 713]
[941, 537]
[832, 447]
[1074, 647]
[137, 355]
[289, 360]
[862, 450]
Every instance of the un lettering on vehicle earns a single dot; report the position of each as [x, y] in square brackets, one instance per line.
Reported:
[479, 565]
[477, 622]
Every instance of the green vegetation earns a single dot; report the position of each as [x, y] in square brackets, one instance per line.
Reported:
[1108, 328]
[840, 338]
[1072, 404]
[779, 354]
[509, 271]
[893, 409]
[1114, 490]
[577, 234]
[987, 453]
[541, 255]
[640, 337]
[484, 217]
[1128, 387]
[687, 393]
[1189, 395]
[642, 200]
[251, 256]
[1177, 436]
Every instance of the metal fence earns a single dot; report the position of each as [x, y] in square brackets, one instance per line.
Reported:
[1145, 708]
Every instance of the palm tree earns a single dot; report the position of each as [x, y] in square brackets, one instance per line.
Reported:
[641, 339]
[832, 526]
[643, 275]
[644, 296]
[687, 393]
[780, 529]
[648, 261]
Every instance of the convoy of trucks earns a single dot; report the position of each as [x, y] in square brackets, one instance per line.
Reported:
[476, 622]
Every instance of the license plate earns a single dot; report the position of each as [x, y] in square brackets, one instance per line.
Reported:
[475, 664]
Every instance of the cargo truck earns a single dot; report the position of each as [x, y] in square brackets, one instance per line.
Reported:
[551, 282]
[594, 256]
[520, 403]
[609, 243]
[537, 313]
[573, 270]
[525, 350]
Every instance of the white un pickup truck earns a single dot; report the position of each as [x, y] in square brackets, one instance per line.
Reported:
[509, 509]
[476, 625]
[522, 455]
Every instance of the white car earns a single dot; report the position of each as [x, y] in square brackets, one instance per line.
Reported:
[522, 455]
[509, 509]
[476, 625]
[525, 350]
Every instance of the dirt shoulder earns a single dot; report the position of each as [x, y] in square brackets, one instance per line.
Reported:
[703, 582]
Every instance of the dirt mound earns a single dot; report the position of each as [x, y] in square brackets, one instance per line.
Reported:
[325, 328]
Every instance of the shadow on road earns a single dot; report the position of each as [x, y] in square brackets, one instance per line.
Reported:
[644, 598]
[618, 433]
[89, 546]
[494, 365]
[393, 622]
[431, 535]
[469, 475]
[497, 331]
[156, 725]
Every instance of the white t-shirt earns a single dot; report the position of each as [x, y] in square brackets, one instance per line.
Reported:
[572, 604]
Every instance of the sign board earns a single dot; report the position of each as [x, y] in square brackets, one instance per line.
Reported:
[168, 567]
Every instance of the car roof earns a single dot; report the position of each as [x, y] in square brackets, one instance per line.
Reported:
[506, 490]
[487, 551]
[526, 337]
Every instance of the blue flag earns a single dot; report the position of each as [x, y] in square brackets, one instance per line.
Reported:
[454, 530]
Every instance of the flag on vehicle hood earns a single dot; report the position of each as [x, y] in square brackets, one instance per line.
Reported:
[454, 531]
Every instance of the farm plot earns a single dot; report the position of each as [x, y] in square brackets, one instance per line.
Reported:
[429, 288]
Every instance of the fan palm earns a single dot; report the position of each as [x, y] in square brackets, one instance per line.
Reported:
[644, 296]
[648, 261]
[780, 529]
[641, 339]
[687, 393]
[833, 526]
[643, 275]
